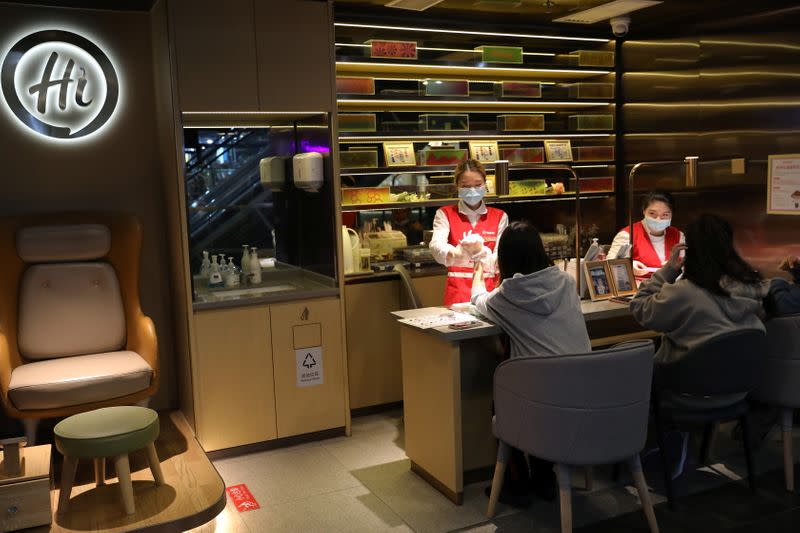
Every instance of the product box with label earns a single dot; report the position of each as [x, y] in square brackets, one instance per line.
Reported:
[392, 49]
[601, 184]
[518, 89]
[593, 58]
[431, 122]
[500, 54]
[444, 88]
[520, 122]
[442, 157]
[358, 159]
[522, 155]
[591, 90]
[365, 195]
[527, 187]
[357, 122]
[593, 153]
[362, 86]
[591, 122]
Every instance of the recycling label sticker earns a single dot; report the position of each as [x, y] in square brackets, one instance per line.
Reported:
[309, 366]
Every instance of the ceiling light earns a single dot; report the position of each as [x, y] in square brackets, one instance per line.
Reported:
[414, 5]
[607, 11]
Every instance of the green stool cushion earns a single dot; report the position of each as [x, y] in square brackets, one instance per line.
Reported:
[106, 432]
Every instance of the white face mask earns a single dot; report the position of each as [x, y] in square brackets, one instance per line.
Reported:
[471, 195]
[657, 224]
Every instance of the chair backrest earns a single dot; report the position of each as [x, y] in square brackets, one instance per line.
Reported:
[727, 364]
[780, 378]
[576, 409]
[414, 301]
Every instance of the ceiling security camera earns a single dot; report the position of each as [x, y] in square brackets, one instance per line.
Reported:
[620, 25]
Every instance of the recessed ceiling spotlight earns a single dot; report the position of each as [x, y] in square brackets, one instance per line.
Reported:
[414, 5]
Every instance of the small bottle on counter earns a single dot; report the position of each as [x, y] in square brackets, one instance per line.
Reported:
[245, 263]
[215, 278]
[205, 266]
[254, 272]
[232, 275]
[223, 266]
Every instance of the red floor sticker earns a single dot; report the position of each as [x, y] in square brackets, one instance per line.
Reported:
[242, 498]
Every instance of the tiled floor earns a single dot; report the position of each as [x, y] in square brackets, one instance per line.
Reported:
[363, 484]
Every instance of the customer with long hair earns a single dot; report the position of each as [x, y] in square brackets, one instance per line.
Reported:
[719, 292]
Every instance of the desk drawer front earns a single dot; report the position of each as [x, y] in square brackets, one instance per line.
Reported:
[25, 504]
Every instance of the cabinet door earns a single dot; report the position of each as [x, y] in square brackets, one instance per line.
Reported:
[215, 54]
[295, 55]
[374, 371]
[235, 403]
[430, 290]
[305, 406]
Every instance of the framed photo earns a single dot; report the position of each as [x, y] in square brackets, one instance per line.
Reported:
[558, 151]
[598, 280]
[783, 185]
[622, 277]
[399, 154]
[484, 151]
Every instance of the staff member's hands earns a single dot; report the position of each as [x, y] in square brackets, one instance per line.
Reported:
[639, 268]
[471, 243]
[477, 276]
[791, 262]
[676, 256]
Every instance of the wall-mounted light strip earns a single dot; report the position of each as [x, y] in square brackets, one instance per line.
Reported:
[451, 138]
[465, 32]
[590, 166]
[445, 68]
[261, 113]
[471, 81]
[463, 50]
[471, 103]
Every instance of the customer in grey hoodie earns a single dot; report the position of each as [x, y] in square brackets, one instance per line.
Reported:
[536, 304]
[719, 293]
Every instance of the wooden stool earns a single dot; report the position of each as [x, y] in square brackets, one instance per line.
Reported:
[109, 432]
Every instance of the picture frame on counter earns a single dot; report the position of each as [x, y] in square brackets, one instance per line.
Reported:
[399, 154]
[484, 151]
[598, 280]
[623, 279]
[558, 151]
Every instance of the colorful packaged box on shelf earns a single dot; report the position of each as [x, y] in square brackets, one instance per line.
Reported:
[357, 122]
[444, 87]
[522, 155]
[365, 195]
[358, 159]
[591, 122]
[594, 58]
[518, 89]
[527, 187]
[392, 49]
[500, 54]
[444, 122]
[602, 184]
[593, 153]
[442, 157]
[363, 86]
[591, 90]
[520, 122]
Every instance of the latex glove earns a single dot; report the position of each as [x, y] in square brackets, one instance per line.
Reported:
[639, 269]
[471, 243]
[483, 254]
[676, 257]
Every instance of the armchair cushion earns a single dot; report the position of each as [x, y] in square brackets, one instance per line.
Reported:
[70, 309]
[64, 382]
[76, 242]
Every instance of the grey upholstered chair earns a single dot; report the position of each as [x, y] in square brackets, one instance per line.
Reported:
[780, 381]
[575, 410]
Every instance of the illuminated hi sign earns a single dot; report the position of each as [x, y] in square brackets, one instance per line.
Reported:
[59, 84]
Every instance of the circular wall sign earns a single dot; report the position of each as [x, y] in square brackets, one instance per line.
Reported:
[59, 84]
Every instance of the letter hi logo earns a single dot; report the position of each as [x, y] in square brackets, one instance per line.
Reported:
[59, 84]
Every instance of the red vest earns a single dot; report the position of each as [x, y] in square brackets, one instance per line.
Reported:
[459, 279]
[643, 249]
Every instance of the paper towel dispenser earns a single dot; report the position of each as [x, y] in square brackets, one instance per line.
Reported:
[308, 171]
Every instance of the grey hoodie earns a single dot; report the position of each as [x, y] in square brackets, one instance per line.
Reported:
[688, 315]
[540, 312]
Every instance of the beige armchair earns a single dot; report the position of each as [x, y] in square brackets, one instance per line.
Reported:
[72, 333]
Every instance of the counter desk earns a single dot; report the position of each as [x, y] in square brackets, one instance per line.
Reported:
[447, 391]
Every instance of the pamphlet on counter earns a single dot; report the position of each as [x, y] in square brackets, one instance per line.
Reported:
[441, 319]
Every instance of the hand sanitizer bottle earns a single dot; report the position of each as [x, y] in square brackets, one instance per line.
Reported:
[245, 263]
[215, 278]
[232, 276]
[223, 266]
[205, 267]
[254, 272]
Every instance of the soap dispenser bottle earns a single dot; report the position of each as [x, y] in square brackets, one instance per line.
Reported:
[205, 266]
[254, 272]
[232, 275]
[245, 263]
[215, 278]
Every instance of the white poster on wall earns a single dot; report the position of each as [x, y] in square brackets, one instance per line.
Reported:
[309, 366]
[784, 185]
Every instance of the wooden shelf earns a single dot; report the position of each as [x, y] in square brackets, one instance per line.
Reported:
[369, 171]
[466, 135]
[403, 70]
[466, 105]
[490, 200]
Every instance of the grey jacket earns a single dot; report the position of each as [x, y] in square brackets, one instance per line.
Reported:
[688, 315]
[784, 297]
[540, 312]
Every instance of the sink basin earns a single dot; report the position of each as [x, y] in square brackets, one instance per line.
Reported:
[255, 291]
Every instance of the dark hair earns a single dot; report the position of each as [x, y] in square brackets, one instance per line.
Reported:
[520, 250]
[472, 165]
[710, 255]
[658, 196]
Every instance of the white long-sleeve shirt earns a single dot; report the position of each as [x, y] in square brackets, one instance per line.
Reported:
[448, 255]
[623, 238]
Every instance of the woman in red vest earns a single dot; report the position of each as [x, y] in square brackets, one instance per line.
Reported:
[467, 232]
[653, 236]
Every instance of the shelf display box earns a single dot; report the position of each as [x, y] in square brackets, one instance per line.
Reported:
[527, 187]
[357, 122]
[593, 153]
[500, 54]
[520, 123]
[430, 87]
[365, 195]
[591, 90]
[518, 89]
[594, 58]
[382, 49]
[442, 157]
[358, 159]
[601, 184]
[432, 122]
[522, 155]
[362, 86]
[591, 122]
